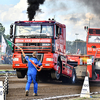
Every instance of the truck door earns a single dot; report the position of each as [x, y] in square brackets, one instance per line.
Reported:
[56, 38]
[59, 39]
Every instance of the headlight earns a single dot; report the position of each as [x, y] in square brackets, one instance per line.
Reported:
[15, 59]
[16, 64]
[47, 64]
[46, 44]
[19, 44]
[49, 59]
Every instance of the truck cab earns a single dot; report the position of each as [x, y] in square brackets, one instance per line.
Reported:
[48, 38]
[93, 47]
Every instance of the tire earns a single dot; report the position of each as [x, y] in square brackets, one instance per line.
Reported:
[65, 79]
[57, 74]
[72, 80]
[20, 73]
[44, 75]
[59, 71]
[94, 75]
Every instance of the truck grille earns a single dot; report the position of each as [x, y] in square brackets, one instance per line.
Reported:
[39, 57]
[30, 47]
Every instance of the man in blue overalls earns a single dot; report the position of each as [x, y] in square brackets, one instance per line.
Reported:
[32, 72]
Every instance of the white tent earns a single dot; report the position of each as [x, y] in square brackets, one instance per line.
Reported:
[3, 45]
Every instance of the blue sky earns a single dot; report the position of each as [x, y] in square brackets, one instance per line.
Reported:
[9, 2]
[75, 14]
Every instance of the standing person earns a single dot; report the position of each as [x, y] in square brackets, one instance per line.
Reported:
[2, 58]
[32, 72]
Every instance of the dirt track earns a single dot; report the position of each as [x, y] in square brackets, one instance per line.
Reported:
[45, 90]
[49, 89]
[6, 67]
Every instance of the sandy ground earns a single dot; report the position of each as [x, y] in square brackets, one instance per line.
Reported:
[6, 67]
[45, 90]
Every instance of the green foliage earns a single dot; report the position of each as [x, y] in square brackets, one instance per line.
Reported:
[79, 44]
[2, 29]
[7, 37]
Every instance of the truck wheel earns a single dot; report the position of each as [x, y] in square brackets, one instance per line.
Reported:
[20, 73]
[94, 75]
[56, 74]
[72, 80]
[65, 79]
[44, 75]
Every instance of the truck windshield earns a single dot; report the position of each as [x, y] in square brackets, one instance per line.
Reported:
[34, 30]
[94, 39]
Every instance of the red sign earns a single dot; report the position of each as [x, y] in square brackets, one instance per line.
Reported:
[32, 40]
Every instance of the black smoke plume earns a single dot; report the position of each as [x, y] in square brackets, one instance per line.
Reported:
[33, 7]
[93, 5]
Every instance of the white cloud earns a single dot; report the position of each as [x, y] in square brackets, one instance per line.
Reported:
[72, 14]
[10, 14]
[14, 13]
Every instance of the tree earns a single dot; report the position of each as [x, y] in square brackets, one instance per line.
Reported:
[2, 29]
[7, 36]
[71, 46]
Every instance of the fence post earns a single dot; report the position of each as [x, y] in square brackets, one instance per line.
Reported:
[1, 91]
[5, 86]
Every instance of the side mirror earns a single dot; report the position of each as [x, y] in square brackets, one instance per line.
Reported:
[59, 31]
[11, 31]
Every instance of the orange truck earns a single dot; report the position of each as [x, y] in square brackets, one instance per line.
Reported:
[83, 65]
[48, 38]
[93, 47]
[88, 64]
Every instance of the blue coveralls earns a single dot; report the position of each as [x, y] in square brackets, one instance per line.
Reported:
[31, 73]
